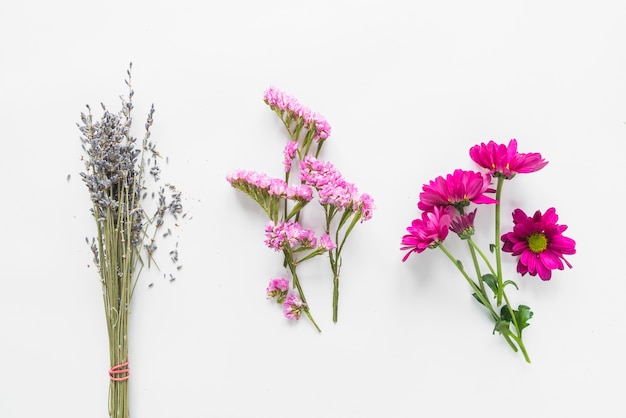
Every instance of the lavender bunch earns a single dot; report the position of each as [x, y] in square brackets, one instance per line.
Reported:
[115, 175]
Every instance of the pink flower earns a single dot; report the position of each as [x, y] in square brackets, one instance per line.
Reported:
[289, 152]
[327, 243]
[365, 204]
[457, 189]
[504, 161]
[463, 225]
[278, 288]
[427, 232]
[288, 234]
[293, 306]
[539, 242]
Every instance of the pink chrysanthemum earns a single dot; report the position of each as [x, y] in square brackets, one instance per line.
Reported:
[463, 225]
[504, 161]
[457, 189]
[278, 289]
[427, 232]
[539, 242]
[293, 306]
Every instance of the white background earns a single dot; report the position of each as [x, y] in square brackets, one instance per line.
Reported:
[408, 88]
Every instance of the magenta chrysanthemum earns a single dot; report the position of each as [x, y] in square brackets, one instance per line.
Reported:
[463, 225]
[539, 243]
[504, 161]
[426, 232]
[457, 189]
[293, 306]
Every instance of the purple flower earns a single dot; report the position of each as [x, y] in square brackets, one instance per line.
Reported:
[539, 243]
[463, 225]
[427, 232]
[457, 189]
[278, 289]
[504, 161]
[293, 306]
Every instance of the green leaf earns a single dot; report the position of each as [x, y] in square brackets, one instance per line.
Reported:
[491, 282]
[478, 299]
[458, 263]
[502, 326]
[505, 313]
[522, 315]
[492, 248]
[510, 282]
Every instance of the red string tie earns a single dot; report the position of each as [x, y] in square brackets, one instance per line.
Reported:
[120, 369]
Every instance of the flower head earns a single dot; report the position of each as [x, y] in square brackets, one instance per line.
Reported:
[288, 234]
[539, 242]
[504, 161]
[293, 306]
[463, 225]
[427, 232]
[326, 242]
[278, 289]
[457, 189]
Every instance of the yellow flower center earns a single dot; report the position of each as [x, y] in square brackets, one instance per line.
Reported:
[537, 242]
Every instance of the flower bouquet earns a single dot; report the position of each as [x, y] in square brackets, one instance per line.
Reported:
[116, 172]
[537, 241]
[284, 200]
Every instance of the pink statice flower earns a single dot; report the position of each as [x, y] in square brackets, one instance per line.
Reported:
[427, 232]
[317, 173]
[283, 103]
[326, 242]
[289, 152]
[293, 306]
[365, 204]
[288, 234]
[539, 242]
[300, 192]
[504, 160]
[278, 289]
[463, 225]
[457, 189]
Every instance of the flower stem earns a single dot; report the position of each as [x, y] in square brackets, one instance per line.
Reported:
[497, 243]
[292, 264]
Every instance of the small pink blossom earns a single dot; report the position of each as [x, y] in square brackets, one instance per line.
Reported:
[288, 234]
[289, 152]
[365, 204]
[293, 306]
[457, 189]
[278, 289]
[326, 242]
[539, 242]
[504, 161]
[427, 232]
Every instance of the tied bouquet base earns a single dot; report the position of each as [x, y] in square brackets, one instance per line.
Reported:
[537, 241]
[284, 201]
[115, 175]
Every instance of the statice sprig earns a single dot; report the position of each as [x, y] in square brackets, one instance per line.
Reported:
[538, 240]
[119, 174]
[284, 201]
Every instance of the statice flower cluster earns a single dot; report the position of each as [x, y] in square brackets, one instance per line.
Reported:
[537, 241]
[283, 200]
